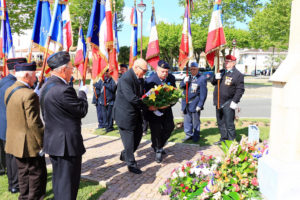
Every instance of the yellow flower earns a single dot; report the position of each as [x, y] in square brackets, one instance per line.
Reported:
[152, 97]
[158, 88]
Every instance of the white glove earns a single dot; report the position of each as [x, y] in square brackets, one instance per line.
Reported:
[158, 113]
[198, 108]
[83, 88]
[218, 76]
[37, 90]
[186, 79]
[233, 105]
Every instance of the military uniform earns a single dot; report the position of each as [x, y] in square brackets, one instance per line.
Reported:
[197, 93]
[231, 90]
[161, 126]
[24, 136]
[109, 87]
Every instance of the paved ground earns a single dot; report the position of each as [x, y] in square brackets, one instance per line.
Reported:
[101, 163]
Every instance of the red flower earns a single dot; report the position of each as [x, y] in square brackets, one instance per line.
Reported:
[144, 96]
[156, 92]
[246, 158]
[182, 168]
[237, 188]
[186, 187]
[181, 185]
[210, 157]
[183, 190]
[254, 181]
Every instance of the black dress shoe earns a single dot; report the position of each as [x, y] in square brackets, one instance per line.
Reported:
[134, 170]
[2, 173]
[122, 158]
[158, 156]
[163, 151]
[14, 190]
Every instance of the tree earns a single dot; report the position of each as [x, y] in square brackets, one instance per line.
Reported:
[21, 14]
[271, 26]
[124, 55]
[233, 10]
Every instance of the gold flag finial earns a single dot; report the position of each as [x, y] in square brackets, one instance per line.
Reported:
[114, 3]
[152, 3]
[134, 2]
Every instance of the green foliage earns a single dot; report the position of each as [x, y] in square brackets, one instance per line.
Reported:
[21, 14]
[233, 10]
[124, 55]
[270, 27]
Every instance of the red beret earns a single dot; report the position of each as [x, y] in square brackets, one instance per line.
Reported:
[230, 57]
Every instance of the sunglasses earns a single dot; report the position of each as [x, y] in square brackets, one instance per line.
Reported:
[144, 70]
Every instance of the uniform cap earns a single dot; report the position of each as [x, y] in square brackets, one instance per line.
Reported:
[11, 62]
[163, 64]
[58, 59]
[194, 64]
[25, 67]
[230, 57]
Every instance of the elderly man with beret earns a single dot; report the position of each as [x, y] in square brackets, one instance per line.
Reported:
[62, 112]
[231, 92]
[8, 161]
[160, 121]
[25, 131]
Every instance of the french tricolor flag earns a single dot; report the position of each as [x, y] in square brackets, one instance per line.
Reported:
[152, 55]
[216, 37]
[80, 52]
[134, 33]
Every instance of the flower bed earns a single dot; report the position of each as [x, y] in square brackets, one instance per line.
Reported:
[162, 95]
[233, 177]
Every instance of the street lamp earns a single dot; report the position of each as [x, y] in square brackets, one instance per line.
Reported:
[255, 58]
[234, 45]
[141, 8]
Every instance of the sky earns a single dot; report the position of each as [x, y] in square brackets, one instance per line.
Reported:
[167, 11]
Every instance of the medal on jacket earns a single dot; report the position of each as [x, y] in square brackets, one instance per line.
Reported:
[228, 80]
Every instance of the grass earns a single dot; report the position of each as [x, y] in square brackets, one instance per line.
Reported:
[258, 84]
[88, 190]
[209, 132]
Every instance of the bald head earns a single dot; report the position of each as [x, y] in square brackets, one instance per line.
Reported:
[140, 67]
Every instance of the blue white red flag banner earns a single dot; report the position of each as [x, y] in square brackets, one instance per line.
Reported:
[152, 55]
[6, 40]
[80, 52]
[60, 28]
[109, 25]
[216, 37]
[113, 56]
[97, 35]
[134, 37]
[186, 47]
[41, 25]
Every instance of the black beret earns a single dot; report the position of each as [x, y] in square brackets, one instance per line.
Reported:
[124, 65]
[163, 64]
[58, 59]
[11, 62]
[25, 67]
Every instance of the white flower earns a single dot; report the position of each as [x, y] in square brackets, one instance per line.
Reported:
[205, 171]
[213, 167]
[174, 175]
[218, 159]
[217, 196]
[181, 174]
[197, 171]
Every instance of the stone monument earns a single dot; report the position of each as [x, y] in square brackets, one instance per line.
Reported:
[279, 171]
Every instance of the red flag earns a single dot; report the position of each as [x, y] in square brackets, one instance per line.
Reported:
[113, 56]
[216, 37]
[152, 55]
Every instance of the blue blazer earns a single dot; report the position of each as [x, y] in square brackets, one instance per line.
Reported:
[196, 98]
[5, 83]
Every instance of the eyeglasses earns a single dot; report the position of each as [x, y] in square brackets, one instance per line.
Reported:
[144, 70]
[73, 68]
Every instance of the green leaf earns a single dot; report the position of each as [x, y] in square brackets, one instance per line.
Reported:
[226, 197]
[234, 195]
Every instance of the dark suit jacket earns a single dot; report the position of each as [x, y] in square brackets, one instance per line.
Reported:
[152, 81]
[25, 130]
[128, 104]
[196, 98]
[5, 83]
[62, 112]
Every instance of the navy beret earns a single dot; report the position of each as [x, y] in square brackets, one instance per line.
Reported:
[11, 62]
[124, 65]
[230, 57]
[58, 59]
[194, 64]
[25, 67]
[163, 64]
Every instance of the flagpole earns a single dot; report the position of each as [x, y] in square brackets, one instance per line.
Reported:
[30, 52]
[218, 70]
[88, 40]
[41, 78]
[4, 66]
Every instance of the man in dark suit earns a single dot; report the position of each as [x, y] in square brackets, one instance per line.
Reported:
[7, 160]
[127, 112]
[161, 121]
[62, 112]
[123, 69]
[25, 130]
[197, 93]
[231, 92]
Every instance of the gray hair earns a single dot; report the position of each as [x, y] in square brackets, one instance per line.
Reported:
[58, 69]
[22, 74]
